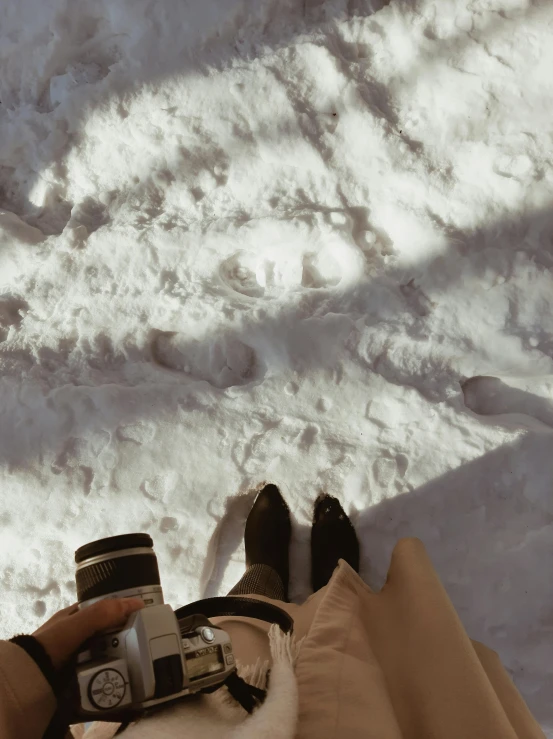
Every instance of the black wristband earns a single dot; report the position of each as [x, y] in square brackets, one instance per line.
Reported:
[36, 651]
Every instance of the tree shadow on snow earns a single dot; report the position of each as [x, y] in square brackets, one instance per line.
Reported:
[83, 50]
[77, 385]
[81, 60]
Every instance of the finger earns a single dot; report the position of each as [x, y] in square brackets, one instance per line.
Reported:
[110, 612]
[102, 615]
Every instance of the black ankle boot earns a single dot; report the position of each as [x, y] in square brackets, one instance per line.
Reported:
[332, 538]
[268, 532]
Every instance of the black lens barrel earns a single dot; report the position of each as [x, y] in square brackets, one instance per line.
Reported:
[117, 573]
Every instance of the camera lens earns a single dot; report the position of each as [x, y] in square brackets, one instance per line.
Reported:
[118, 567]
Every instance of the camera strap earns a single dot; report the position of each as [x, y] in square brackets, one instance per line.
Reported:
[232, 605]
[246, 695]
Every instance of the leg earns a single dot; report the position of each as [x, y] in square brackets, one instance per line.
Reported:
[267, 540]
[260, 580]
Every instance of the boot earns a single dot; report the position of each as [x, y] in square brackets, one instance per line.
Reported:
[332, 538]
[268, 533]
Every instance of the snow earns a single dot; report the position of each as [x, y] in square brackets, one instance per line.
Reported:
[300, 242]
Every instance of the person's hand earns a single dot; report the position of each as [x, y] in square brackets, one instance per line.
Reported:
[63, 634]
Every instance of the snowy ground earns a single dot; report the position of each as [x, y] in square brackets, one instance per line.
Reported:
[294, 241]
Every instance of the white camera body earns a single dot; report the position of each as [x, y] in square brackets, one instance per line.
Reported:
[155, 658]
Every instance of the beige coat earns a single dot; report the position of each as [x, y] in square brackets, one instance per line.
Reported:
[390, 665]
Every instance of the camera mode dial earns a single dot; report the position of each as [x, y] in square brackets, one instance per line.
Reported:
[107, 689]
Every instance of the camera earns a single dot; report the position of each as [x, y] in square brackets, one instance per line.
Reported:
[156, 657]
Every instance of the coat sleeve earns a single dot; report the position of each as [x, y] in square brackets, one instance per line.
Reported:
[27, 702]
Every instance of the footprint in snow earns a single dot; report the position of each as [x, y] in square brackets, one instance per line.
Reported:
[270, 274]
[12, 310]
[223, 362]
[493, 396]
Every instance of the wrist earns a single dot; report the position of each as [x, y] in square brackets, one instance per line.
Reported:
[38, 653]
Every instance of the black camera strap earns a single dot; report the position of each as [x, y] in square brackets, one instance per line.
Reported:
[232, 605]
[248, 696]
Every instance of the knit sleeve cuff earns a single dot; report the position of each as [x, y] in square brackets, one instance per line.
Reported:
[38, 653]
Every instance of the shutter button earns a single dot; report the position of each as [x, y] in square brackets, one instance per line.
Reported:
[207, 635]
